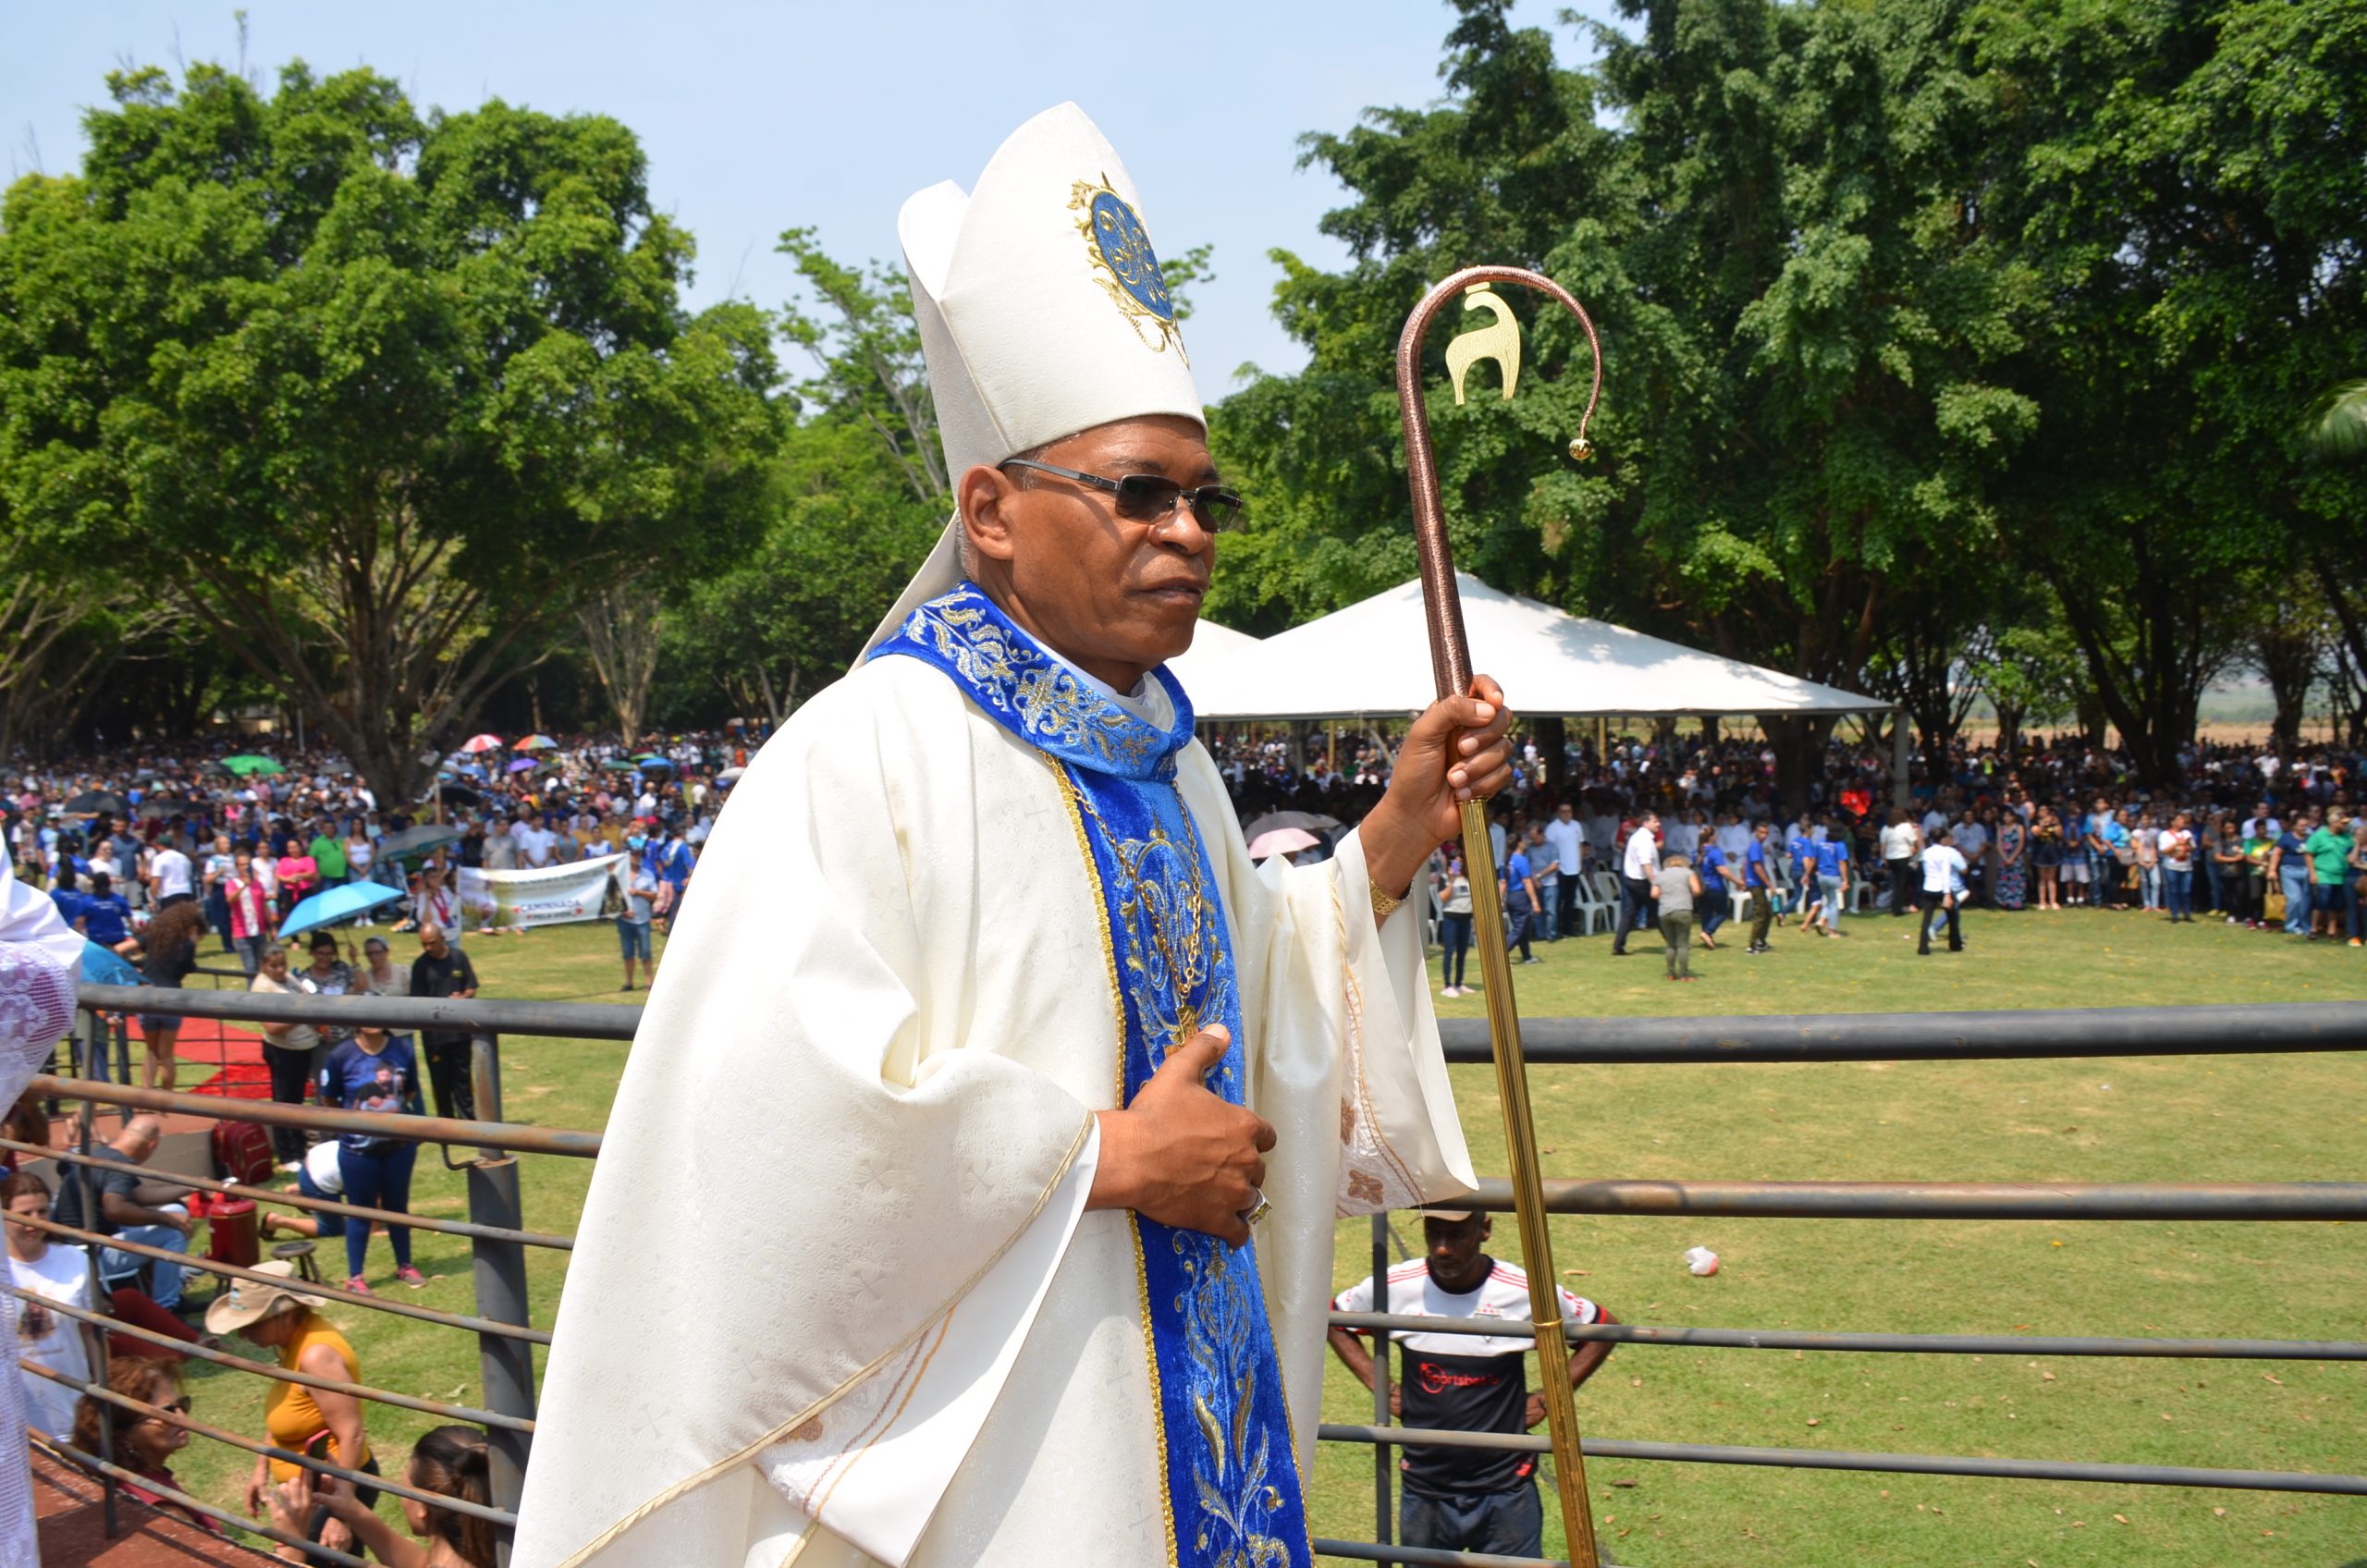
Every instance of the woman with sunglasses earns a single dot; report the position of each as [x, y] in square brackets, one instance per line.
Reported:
[144, 1442]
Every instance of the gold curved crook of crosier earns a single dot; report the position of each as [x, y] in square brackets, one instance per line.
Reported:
[1499, 340]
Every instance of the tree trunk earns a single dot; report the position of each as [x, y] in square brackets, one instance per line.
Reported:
[2009, 726]
[1799, 741]
[624, 628]
[2286, 649]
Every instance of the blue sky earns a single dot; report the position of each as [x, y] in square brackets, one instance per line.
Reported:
[759, 117]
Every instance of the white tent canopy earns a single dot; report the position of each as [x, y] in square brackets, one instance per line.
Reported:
[1373, 658]
[1214, 650]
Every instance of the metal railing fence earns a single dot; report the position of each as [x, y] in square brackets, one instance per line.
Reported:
[494, 1229]
[499, 1239]
[1860, 1037]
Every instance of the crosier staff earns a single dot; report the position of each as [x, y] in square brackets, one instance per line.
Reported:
[1451, 663]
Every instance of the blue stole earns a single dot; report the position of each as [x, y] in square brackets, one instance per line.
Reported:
[1232, 1485]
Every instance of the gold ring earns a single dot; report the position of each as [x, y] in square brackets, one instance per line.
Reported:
[1258, 1210]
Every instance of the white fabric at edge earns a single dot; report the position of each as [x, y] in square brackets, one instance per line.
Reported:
[41, 958]
[881, 1497]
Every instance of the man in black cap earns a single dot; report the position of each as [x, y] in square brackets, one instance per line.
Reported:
[1464, 1498]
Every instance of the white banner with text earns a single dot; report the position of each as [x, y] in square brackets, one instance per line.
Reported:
[551, 895]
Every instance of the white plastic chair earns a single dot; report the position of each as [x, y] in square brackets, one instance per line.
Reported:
[1593, 912]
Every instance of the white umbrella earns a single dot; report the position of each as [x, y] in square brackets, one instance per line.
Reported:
[1282, 841]
[1311, 821]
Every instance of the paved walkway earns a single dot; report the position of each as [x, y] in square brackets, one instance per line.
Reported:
[73, 1535]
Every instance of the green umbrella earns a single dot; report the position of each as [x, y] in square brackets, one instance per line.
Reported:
[252, 765]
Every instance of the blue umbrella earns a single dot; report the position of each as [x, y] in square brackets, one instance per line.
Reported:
[105, 966]
[338, 903]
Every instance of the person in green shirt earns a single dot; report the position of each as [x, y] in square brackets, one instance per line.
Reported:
[2328, 848]
[328, 853]
[2260, 847]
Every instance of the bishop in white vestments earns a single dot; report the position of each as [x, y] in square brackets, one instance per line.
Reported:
[968, 1198]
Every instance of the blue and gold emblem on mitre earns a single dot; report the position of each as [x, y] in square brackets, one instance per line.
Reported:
[1125, 265]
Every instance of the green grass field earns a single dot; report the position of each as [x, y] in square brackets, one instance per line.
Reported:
[2273, 1118]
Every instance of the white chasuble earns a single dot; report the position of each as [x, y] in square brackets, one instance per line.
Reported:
[40, 959]
[835, 1299]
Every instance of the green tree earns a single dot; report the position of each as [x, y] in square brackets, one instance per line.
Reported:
[2185, 180]
[381, 393]
[843, 532]
[2031, 673]
[1774, 212]
[1509, 169]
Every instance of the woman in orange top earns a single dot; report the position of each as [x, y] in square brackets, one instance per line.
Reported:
[297, 1416]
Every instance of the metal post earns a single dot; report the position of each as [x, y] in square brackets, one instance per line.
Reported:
[1902, 756]
[1381, 1506]
[89, 1049]
[498, 1269]
[102, 1373]
[507, 1365]
[123, 1059]
[484, 1075]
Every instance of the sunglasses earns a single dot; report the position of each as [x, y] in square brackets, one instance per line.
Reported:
[178, 1407]
[1150, 497]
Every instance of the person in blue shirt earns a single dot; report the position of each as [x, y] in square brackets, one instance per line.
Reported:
[67, 900]
[1832, 853]
[1759, 882]
[373, 1072]
[2289, 872]
[106, 917]
[1547, 866]
[1803, 852]
[1716, 904]
[1518, 886]
[671, 862]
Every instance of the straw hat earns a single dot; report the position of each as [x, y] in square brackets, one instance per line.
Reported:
[244, 1302]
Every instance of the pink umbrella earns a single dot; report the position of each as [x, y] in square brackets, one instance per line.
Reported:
[481, 744]
[1282, 841]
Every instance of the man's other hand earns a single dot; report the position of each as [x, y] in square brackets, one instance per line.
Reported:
[1181, 1154]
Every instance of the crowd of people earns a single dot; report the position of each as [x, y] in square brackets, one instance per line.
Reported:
[1692, 839]
[144, 1319]
[158, 855]
[1688, 836]
[153, 852]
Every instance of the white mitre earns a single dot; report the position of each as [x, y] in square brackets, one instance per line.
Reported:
[1042, 311]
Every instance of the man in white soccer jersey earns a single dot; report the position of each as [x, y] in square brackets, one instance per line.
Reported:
[1464, 1498]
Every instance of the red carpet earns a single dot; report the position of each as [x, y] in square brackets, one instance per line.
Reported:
[215, 1058]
